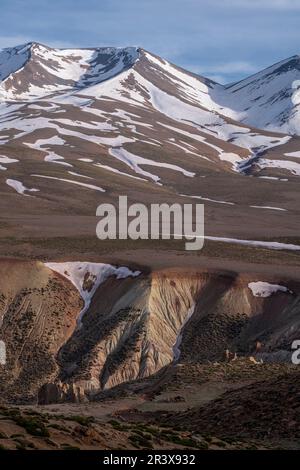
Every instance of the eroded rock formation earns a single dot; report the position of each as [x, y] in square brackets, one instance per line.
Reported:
[132, 327]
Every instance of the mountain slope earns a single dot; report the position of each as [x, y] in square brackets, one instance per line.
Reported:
[269, 99]
[74, 329]
[33, 70]
[79, 127]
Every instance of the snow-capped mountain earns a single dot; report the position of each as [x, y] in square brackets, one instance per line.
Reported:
[84, 82]
[82, 125]
[33, 70]
[269, 99]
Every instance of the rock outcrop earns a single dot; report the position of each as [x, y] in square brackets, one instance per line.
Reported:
[132, 327]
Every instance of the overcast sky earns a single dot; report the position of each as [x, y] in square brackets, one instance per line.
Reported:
[223, 39]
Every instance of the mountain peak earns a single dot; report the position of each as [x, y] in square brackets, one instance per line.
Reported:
[291, 63]
[269, 99]
[31, 44]
[33, 69]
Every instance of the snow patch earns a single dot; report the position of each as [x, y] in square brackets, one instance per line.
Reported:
[217, 201]
[134, 162]
[257, 243]
[115, 170]
[293, 154]
[19, 187]
[288, 165]
[79, 183]
[268, 207]
[264, 289]
[7, 160]
[87, 277]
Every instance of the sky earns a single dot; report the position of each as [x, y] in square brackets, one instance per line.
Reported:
[225, 40]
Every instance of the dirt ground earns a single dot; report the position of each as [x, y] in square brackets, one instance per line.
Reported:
[152, 413]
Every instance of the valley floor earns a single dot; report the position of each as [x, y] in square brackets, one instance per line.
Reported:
[229, 405]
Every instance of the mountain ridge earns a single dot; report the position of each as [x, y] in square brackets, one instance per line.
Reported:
[35, 44]
[79, 123]
[52, 70]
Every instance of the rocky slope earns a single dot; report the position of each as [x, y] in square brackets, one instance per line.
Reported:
[131, 325]
[274, 416]
[38, 314]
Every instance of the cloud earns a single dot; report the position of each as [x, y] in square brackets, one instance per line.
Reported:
[223, 80]
[11, 41]
[229, 68]
[227, 39]
[224, 72]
